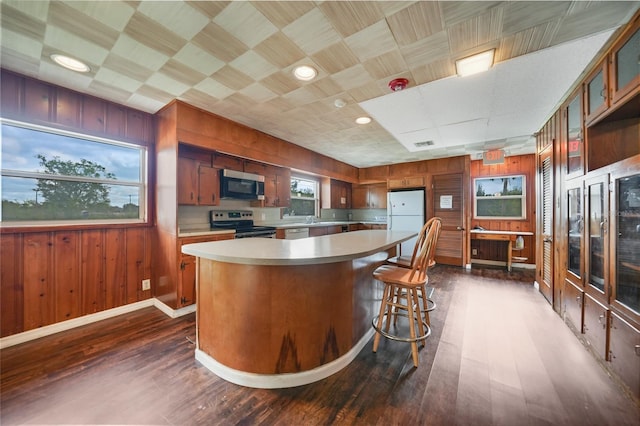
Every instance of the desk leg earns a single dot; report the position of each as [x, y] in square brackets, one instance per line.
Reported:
[509, 256]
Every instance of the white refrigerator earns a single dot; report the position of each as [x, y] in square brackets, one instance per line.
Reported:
[405, 212]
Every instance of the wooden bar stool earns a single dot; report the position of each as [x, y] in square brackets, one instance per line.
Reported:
[407, 262]
[403, 289]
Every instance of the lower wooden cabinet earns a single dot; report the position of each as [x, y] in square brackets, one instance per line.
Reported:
[624, 352]
[595, 322]
[187, 268]
[572, 302]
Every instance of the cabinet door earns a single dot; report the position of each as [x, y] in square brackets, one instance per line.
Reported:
[596, 243]
[575, 231]
[624, 352]
[208, 186]
[283, 187]
[595, 325]
[187, 281]
[573, 136]
[378, 196]
[596, 99]
[360, 197]
[187, 181]
[572, 301]
[625, 231]
[316, 231]
[624, 68]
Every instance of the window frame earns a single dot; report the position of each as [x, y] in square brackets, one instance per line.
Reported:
[316, 197]
[522, 197]
[142, 185]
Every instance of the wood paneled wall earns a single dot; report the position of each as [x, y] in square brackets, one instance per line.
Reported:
[52, 274]
[515, 165]
[207, 130]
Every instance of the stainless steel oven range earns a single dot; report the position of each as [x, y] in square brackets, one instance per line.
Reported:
[242, 222]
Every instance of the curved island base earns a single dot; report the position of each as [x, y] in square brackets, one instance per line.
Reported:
[295, 312]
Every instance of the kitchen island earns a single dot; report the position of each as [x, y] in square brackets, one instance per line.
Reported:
[281, 313]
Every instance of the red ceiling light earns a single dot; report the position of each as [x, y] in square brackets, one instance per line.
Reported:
[398, 84]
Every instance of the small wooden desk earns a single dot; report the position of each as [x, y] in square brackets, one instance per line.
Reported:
[508, 236]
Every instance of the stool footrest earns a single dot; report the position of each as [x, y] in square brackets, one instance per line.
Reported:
[390, 336]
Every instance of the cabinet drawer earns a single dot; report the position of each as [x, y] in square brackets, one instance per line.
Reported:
[572, 300]
[596, 317]
[495, 237]
[624, 352]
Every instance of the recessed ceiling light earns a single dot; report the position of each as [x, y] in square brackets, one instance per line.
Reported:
[475, 64]
[70, 63]
[305, 72]
[363, 120]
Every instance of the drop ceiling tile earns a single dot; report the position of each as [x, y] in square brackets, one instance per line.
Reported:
[350, 17]
[416, 22]
[167, 84]
[219, 43]
[519, 16]
[75, 46]
[111, 78]
[280, 50]
[75, 22]
[109, 92]
[324, 88]
[454, 12]
[154, 93]
[125, 66]
[425, 51]
[35, 9]
[282, 13]
[20, 22]
[246, 23]
[232, 78]
[178, 17]
[433, 71]
[20, 63]
[127, 47]
[593, 18]
[19, 43]
[214, 88]
[210, 9]
[153, 35]
[258, 93]
[335, 58]
[300, 96]
[148, 104]
[312, 32]
[372, 41]
[195, 58]
[352, 77]
[113, 14]
[387, 65]
[281, 83]
[253, 65]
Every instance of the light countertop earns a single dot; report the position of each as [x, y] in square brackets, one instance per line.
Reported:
[305, 251]
[202, 232]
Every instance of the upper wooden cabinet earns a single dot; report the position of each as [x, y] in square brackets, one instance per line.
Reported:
[573, 136]
[596, 98]
[198, 184]
[408, 182]
[369, 196]
[625, 68]
[277, 184]
[340, 195]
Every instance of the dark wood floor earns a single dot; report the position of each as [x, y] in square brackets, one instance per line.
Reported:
[498, 355]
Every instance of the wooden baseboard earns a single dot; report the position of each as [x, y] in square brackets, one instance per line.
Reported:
[26, 336]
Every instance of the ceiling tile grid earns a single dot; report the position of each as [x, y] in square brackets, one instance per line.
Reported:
[235, 58]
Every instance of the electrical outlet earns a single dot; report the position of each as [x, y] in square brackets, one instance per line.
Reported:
[474, 252]
[146, 285]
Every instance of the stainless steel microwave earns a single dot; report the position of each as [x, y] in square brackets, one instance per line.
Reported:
[241, 186]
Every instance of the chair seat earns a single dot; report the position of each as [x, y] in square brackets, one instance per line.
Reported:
[399, 276]
[403, 261]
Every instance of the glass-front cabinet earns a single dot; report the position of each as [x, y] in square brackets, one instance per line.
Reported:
[575, 229]
[626, 268]
[595, 93]
[573, 136]
[625, 66]
[596, 242]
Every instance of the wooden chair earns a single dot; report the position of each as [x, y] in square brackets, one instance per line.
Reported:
[403, 289]
[407, 262]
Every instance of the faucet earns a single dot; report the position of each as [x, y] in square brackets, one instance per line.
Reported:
[310, 219]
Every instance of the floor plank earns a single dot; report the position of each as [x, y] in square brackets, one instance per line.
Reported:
[497, 355]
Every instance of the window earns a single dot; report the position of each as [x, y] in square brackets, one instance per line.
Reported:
[54, 176]
[500, 197]
[304, 196]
